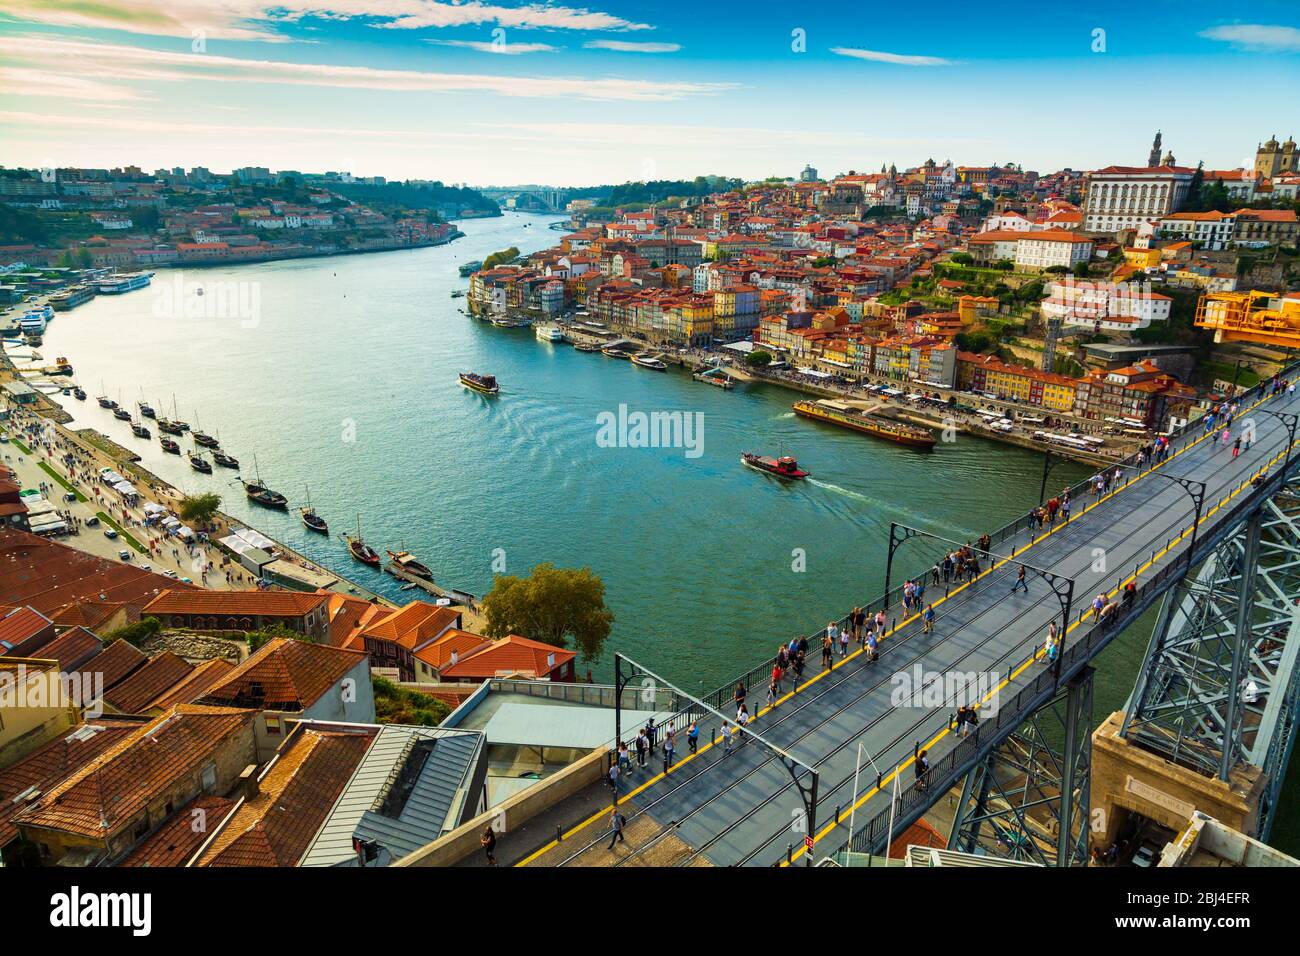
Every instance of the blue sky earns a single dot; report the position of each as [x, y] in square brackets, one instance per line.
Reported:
[496, 92]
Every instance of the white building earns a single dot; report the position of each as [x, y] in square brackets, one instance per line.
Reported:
[1122, 197]
[1007, 222]
[1104, 306]
[1213, 230]
[1052, 247]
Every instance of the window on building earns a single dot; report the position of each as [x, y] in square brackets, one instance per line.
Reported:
[208, 779]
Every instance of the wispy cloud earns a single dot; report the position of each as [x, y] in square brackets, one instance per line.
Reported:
[1257, 37]
[263, 19]
[898, 59]
[491, 46]
[624, 46]
[113, 62]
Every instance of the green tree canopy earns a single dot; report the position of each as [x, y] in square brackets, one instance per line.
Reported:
[552, 605]
[201, 507]
[758, 359]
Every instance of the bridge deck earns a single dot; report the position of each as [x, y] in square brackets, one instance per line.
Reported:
[741, 808]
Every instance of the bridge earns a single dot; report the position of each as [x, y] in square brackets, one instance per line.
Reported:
[529, 200]
[830, 767]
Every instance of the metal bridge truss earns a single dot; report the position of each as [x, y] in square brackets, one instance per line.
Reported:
[1218, 687]
[1028, 799]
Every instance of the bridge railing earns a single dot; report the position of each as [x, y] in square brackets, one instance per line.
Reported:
[1019, 532]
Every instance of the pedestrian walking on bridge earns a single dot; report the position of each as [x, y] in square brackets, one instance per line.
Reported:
[1020, 581]
[616, 824]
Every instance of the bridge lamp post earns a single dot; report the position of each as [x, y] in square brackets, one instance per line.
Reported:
[1196, 490]
[1288, 419]
[857, 770]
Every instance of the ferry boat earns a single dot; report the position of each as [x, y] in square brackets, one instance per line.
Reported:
[361, 551]
[469, 268]
[79, 394]
[615, 352]
[116, 285]
[405, 561]
[487, 384]
[311, 520]
[548, 333]
[846, 416]
[586, 347]
[716, 377]
[139, 431]
[33, 322]
[224, 460]
[71, 298]
[650, 361]
[199, 463]
[785, 467]
[169, 446]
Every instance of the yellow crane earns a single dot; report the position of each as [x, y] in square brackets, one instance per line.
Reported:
[1267, 318]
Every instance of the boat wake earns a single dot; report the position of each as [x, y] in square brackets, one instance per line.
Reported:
[777, 418]
[838, 490]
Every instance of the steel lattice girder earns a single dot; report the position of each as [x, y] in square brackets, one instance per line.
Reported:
[1011, 804]
[1186, 693]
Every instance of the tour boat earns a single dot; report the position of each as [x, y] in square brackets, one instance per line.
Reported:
[785, 467]
[846, 416]
[469, 268]
[224, 460]
[169, 446]
[405, 561]
[139, 431]
[614, 352]
[311, 519]
[359, 550]
[260, 494]
[548, 333]
[649, 361]
[199, 463]
[716, 377]
[487, 384]
[79, 394]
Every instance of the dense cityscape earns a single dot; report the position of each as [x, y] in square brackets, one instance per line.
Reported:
[937, 515]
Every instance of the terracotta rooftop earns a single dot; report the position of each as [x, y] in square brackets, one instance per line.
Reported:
[458, 642]
[103, 795]
[19, 625]
[192, 686]
[414, 624]
[53, 762]
[296, 793]
[284, 674]
[269, 603]
[49, 576]
[72, 648]
[114, 664]
[179, 839]
[510, 655]
[148, 682]
[91, 615]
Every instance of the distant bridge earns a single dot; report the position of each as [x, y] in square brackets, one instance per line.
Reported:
[536, 200]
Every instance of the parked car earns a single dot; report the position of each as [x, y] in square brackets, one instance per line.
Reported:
[1147, 855]
[109, 533]
[92, 521]
[124, 554]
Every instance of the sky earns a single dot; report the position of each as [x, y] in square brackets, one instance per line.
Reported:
[499, 92]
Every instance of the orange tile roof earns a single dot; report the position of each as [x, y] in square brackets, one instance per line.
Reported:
[71, 647]
[19, 625]
[458, 642]
[178, 839]
[156, 677]
[114, 664]
[53, 762]
[105, 794]
[284, 674]
[510, 655]
[295, 794]
[238, 603]
[91, 615]
[192, 686]
[413, 624]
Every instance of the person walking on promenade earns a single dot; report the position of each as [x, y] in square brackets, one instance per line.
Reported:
[832, 632]
[1226, 438]
[777, 674]
[1020, 581]
[1049, 647]
[871, 645]
[742, 719]
[1236, 447]
[880, 623]
[489, 843]
[828, 652]
[611, 779]
[855, 623]
[928, 617]
[641, 747]
[738, 697]
[972, 719]
[651, 734]
[844, 644]
[616, 824]
[668, 751]
[624, 762]
[1053, 506]
[773, 693]
[726, 738]
[922, 768]
[693, 737]
[1065, 510]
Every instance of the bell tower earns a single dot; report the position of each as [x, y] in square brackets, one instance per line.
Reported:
[1154, 158]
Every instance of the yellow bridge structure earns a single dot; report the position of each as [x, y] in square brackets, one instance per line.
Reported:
[1266, 318]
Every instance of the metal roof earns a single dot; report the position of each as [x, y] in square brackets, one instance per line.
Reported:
[435, 800]
[552, 725]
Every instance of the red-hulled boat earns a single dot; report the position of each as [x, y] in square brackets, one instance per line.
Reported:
[359, 550]
[785, 467]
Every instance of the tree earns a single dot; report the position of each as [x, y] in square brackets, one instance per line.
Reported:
[1081, 270]
[963, 258]
[201, 507]
[758, 359]
[136, 633]
[552, 605]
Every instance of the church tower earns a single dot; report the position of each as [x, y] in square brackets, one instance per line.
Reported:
[1267, 159]
[1154, 158]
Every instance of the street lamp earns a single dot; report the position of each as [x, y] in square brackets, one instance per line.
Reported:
[856, 770]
